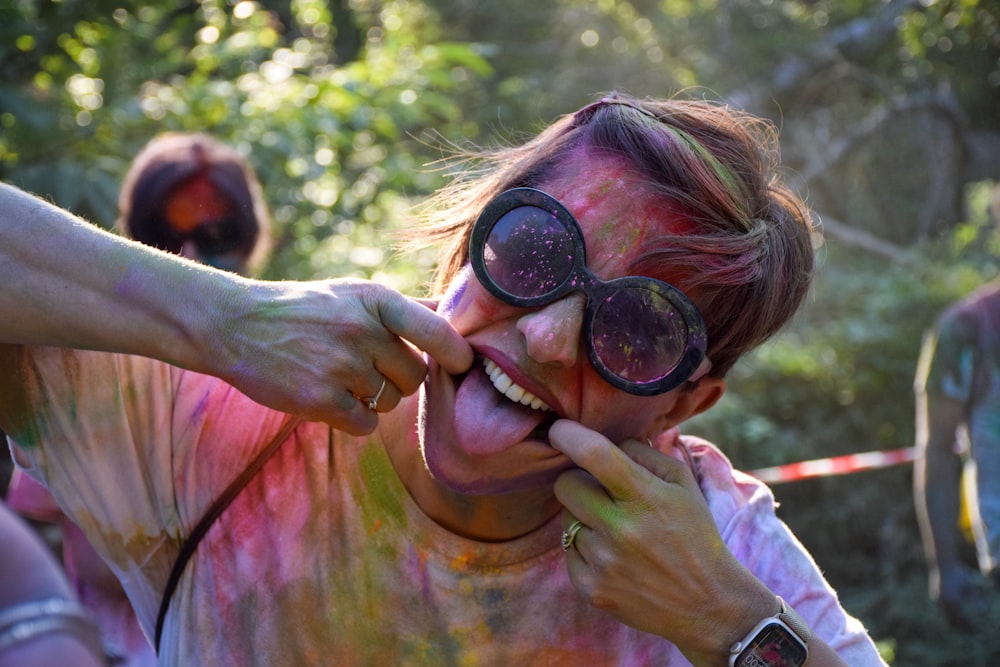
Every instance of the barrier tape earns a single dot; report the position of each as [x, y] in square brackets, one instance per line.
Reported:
[836, 465]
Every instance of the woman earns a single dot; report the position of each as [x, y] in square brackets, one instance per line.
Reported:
[536, 507]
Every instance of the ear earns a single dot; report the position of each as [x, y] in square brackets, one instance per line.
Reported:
[692, 401]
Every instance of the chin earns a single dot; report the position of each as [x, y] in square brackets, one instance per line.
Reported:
[475, 480]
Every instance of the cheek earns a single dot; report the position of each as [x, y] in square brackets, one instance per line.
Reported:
[619, 416]
[468, 306]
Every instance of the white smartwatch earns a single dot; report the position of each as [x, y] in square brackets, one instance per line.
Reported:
[777, 641]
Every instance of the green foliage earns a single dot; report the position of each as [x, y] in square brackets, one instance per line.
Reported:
[332, 141]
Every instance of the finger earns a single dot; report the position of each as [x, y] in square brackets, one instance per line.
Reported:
[567, 519]
[402, 366]
[573, 530]
[385, 398]
[591, 451]
[427, 303]
[347, 413]
[428, 331]
[663, 466]
[582, 496]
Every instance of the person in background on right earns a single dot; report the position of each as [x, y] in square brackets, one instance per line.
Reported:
[957, 467]
[192, 195]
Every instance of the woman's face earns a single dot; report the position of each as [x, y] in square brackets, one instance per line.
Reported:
[486, 431]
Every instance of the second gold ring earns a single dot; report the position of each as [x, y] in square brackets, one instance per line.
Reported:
[569, 535]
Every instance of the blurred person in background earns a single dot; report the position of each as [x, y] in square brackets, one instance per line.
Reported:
[957, 469]
[190, 194]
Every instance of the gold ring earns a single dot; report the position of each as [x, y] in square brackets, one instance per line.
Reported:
[569, 535]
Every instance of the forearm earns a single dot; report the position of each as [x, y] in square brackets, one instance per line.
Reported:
[938, 507]
[937, 480]
[307, 347]
[68, 283]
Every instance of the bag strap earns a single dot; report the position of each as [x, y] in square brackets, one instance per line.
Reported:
[217, 508]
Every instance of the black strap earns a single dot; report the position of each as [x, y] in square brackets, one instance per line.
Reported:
[217, 508]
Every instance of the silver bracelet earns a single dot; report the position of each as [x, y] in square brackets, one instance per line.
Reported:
[31, 619]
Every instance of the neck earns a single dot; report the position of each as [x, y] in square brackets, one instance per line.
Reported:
[496, 518]
[487, 518]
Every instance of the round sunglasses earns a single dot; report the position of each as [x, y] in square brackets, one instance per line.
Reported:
[643, 336]
[211, 238]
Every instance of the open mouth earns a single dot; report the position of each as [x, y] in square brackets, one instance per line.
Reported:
[516, 393]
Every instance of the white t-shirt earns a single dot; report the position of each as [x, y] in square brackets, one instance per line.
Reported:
[324, 559]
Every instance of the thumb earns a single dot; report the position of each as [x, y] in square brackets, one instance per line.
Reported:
[418, 323]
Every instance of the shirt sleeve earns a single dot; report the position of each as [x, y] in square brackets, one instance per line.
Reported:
[744, 509]
[948, 358]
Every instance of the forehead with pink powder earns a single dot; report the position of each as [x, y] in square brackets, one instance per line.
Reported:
[619, 214]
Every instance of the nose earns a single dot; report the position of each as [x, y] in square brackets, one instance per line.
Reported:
[552, 333]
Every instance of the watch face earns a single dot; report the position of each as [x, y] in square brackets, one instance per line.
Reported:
[774, 646]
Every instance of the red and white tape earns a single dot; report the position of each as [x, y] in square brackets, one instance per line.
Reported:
[835, 465]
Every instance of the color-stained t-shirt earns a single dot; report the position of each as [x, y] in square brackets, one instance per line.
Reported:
[324, 559]
[961, 360]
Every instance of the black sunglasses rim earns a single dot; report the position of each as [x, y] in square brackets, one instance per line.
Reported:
[172, 241]
[594, 289]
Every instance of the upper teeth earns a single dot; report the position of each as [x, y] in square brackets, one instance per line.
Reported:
[514, 392]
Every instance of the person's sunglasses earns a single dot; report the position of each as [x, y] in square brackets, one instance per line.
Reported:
[642, 335]
[211, 239]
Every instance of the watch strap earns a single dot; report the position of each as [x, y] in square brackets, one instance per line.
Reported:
[791, 618]
[786, 617]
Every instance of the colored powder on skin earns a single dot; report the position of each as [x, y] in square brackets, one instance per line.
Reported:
[379, 498]
[454, 295]
[617, 232]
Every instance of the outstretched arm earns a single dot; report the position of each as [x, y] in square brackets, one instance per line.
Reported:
[310, 348]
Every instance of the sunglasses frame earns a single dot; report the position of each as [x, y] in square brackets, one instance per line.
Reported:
[170, 240]
[581, 279]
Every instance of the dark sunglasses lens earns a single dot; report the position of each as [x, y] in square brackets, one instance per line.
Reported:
[217, 238]
[528, 252]
[156, 233]
[638, 335]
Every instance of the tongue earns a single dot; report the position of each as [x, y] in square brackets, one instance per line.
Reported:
[487, 422]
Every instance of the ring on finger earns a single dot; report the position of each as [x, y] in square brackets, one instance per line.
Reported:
[373, 401]
[569, 535]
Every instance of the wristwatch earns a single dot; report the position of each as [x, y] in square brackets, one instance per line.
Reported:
[777, 641]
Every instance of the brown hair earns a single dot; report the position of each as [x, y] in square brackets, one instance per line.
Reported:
[173, 158]
[748, 261]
